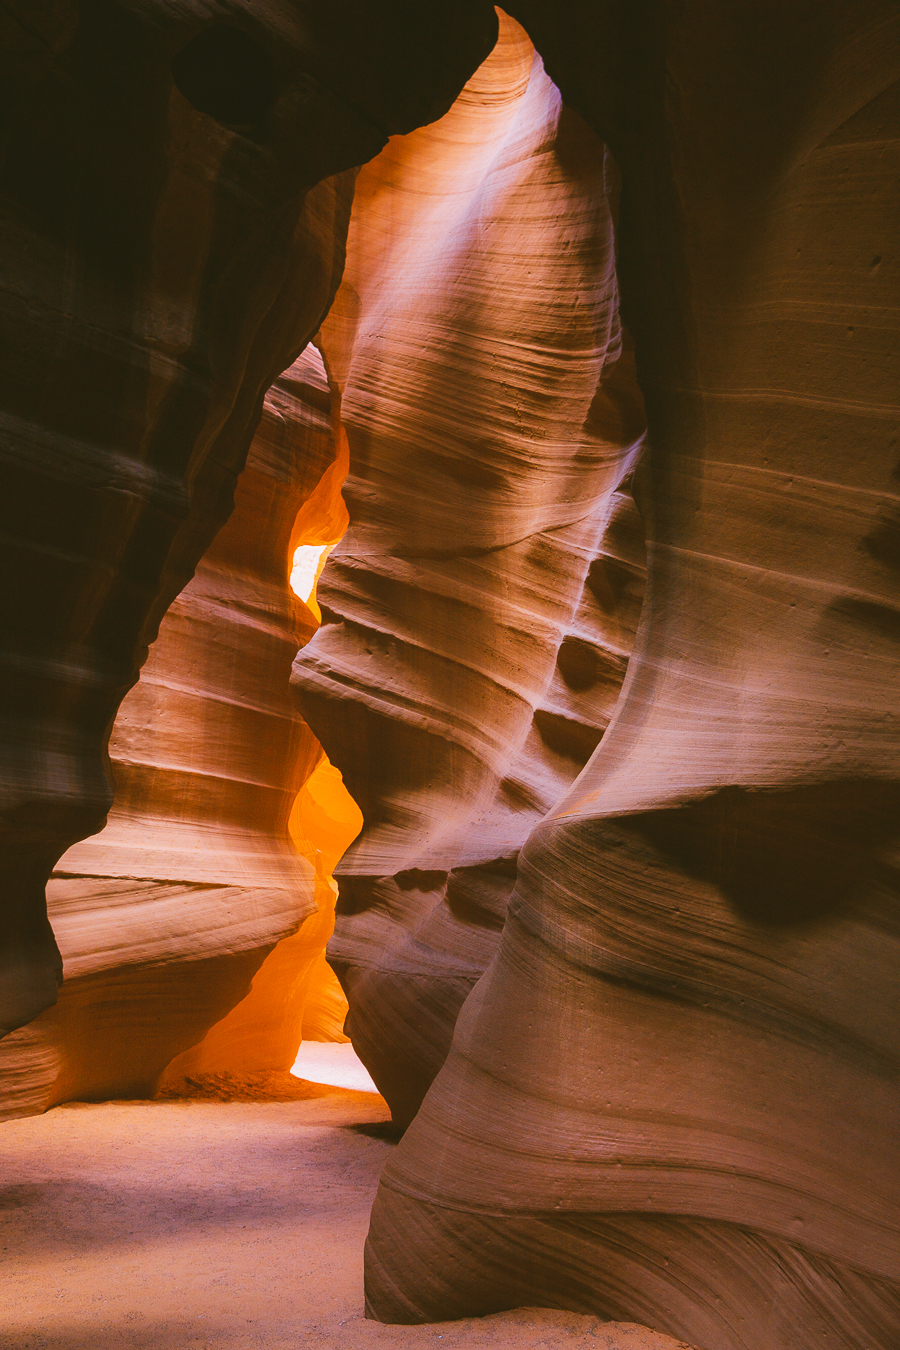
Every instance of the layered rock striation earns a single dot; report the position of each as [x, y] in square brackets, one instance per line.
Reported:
[479, 612]
[673, 1095]
[223, 835]
[168, 256]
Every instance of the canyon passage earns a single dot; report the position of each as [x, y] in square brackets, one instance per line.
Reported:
[450, 500]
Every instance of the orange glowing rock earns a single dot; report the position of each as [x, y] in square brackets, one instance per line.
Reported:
[174, 211]
[193, 894]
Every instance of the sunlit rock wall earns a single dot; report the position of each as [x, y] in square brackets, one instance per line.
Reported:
[479, 612]
[163, 261]
[673, 1097]
[165, 916]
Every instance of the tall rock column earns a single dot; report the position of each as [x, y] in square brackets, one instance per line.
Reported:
[673, 1096]
[479, 612]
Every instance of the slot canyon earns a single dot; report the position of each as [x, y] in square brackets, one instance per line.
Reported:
[450, 481]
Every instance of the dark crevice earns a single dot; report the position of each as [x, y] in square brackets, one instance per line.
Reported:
[226, 74]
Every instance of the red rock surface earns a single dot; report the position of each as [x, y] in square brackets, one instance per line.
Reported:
[167, 260]
[166, 915]
[672, 1097]
[675, 1091]
[479, 612]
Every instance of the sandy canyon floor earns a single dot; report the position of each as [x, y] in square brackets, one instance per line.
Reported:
[196, 1224]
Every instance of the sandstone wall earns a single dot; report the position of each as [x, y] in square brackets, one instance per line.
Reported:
[673, 1096]
[165, 916]
[165, 260]
[479, 612]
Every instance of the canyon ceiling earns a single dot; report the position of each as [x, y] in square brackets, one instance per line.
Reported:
[568, 336]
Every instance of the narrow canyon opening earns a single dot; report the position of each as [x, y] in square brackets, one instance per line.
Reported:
[448, 475]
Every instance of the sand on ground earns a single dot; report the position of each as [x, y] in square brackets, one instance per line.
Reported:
[218, 1225]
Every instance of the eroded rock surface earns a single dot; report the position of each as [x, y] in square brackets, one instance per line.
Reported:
[166, 915]
[479, 613]
[672, 1097]
[167, 259]
[675, 1090]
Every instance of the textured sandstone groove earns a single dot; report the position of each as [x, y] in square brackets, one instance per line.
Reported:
[479, 612]
[673, 1096]
[164, 917]
[164, 260]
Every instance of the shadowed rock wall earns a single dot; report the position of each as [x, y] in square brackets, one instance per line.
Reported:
[673, 1095]
[166, 261]
[479, 612]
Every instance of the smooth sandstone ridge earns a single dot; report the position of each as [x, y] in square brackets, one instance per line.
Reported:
[479, 612]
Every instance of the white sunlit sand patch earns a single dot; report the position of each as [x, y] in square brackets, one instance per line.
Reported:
[305, 569]
[333, 1063]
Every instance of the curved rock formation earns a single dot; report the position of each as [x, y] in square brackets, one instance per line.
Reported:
[167, 260]
[164, 916]
[294, 996]
[479, 612]
[673, 1096]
